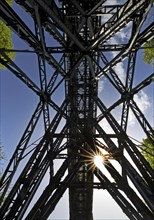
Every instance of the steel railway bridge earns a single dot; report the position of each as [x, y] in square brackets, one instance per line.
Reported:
[82, 37]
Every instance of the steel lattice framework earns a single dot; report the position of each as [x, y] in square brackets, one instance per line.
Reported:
[78, 61]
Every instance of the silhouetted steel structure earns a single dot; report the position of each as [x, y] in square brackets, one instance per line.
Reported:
[81, 33]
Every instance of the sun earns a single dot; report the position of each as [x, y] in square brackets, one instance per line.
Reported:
[95, 158]
[98, 160]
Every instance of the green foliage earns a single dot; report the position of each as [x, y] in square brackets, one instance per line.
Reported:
[149, 52]
[6, 39]
[148, 151]
[2, 157]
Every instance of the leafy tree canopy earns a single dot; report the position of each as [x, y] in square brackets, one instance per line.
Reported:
[149, 52]
[6, 39]
[148, 151]
[2, 157]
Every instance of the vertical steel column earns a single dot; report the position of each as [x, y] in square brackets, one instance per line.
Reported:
[81, 89]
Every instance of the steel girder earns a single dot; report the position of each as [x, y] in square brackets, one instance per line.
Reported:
[82, 36]
[38, 164]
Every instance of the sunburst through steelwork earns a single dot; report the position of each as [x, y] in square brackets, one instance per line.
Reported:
[97, 157]
[81, 63]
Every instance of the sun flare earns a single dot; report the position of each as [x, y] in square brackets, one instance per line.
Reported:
[98, 160]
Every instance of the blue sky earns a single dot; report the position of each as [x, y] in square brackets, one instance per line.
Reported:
[18, 103]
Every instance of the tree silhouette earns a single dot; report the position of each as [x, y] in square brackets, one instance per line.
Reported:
[6, 40]
[149, 52]
[148, 151]
[2, 157]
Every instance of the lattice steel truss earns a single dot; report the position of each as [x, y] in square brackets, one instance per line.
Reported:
[82, 37]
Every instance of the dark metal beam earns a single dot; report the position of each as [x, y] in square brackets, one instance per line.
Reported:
[142, 120]
[39, 32]
[19, 152]
[46, 22]
[146, 190]
[8, 63]
[128, 95]
[49, 198]
[9, 17]
[60, 23]
[125, 205]
[38, 165]
[128, 88]
[80, 34]
[118, 21]
[128, 144]
[142, 37]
